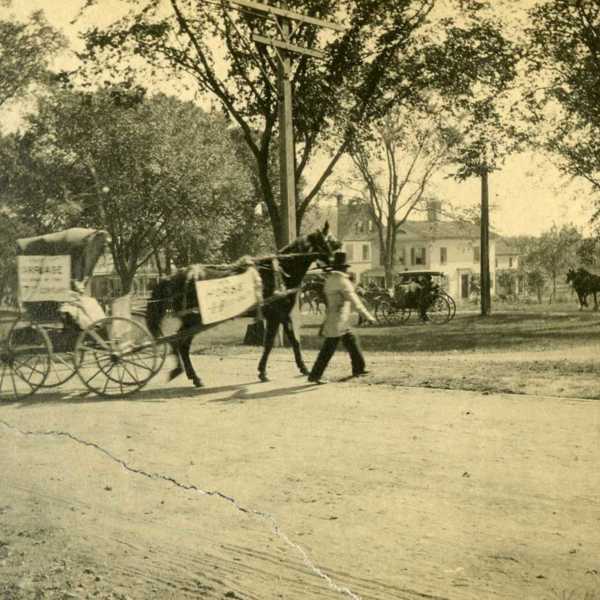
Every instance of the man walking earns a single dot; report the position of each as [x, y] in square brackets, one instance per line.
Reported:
[340, 296]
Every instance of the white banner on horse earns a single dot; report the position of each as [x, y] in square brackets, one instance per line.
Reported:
[227, 297]
[43, 278]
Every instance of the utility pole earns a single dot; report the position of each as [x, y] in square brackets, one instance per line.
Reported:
[287, 154]
[283, 19]
[484, 254]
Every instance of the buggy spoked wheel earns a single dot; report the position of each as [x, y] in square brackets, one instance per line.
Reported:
[61, 369]
[117, 356]
[452, 305]
[439, 311]
[390, 314]
[382, 310]
[24, 361]
[61, 359]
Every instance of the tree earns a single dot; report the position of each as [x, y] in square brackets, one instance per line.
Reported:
[554, 252]
[406, 150]
[506, 280]
[377, 62]
[536, 280]
[480, 101]
[26, 49]
[156, 173]
[588, 252]
[564, 90]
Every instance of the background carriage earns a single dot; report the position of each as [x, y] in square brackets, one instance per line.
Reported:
[60, 331]
[415, 291]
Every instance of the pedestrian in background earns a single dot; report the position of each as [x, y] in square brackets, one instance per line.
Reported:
[341, 297]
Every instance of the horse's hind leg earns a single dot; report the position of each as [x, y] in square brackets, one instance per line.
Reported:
[288, 327]
[269, 341]
[184, 350]
[178, 370]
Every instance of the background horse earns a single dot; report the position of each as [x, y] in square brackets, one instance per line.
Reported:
[584, 283]
[313, 294]
[178, 293]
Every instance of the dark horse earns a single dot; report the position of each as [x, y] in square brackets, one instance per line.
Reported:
[287, 271]
[584, 283]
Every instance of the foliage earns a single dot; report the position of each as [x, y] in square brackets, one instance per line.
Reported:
[564, 76]
[156, 173]
[388, 54]
[536, 280]
[554, 252]
[405, 150]
[588, 252]
[26, 48]
[506, 279]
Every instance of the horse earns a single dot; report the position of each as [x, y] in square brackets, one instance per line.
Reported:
[313, 295]
[288, 270]
[584, 283]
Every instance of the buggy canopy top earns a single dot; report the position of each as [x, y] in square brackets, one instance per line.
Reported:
[84, 246]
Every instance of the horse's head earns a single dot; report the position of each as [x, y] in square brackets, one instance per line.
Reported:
[323, 244]
[571, 275]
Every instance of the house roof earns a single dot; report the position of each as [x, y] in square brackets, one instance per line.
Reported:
[442, 230]
[503, 247]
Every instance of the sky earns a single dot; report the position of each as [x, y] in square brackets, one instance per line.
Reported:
[528, 194]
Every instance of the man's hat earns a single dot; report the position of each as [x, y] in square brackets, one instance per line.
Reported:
[339, 262]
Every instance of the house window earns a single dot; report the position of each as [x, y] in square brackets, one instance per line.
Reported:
[349, 249]
[475, 253]
[418, 256]
[359, 227]
[510, 262]
[443, 256]
[371, 226]
[401, 255]
[365, 251]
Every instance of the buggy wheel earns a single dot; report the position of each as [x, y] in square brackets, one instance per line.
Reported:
[391, 314]
[439, 310]
[24, 360]
[117, 356]
[61, 369]
[452, 305]
[381, 311]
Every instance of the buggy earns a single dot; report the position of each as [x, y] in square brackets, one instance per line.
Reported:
[58, 330]
[416, 291]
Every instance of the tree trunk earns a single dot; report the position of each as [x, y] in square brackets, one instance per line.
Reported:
[484, 254]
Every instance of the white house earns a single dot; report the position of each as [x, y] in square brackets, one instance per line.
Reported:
[451, 247]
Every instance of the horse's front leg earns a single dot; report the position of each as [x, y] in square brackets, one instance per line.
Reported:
[288, 327]
[269, 341]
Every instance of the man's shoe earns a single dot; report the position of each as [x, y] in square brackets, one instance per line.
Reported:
[361, 373]
[317, 380]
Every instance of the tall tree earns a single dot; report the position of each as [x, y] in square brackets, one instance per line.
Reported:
[156, 173]
[407, 148]
[564, 84]
[26, 49]
[483, 108]
[375, 63]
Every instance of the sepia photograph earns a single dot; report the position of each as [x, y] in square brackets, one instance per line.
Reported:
[299, 299]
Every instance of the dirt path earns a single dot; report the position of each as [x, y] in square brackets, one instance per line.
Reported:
[283, 490]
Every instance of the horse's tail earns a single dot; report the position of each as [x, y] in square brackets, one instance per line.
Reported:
[157, 306]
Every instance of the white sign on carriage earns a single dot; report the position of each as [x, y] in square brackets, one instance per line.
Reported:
[44, 278]
[227, 297]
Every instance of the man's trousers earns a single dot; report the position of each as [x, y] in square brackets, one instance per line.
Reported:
[328, 349]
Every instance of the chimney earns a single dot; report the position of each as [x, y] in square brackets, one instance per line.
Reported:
[434, 210]
[339, 199]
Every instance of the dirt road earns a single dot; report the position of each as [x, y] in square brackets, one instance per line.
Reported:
[284, 490]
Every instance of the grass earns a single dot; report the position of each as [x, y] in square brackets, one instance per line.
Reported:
[535, 352]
